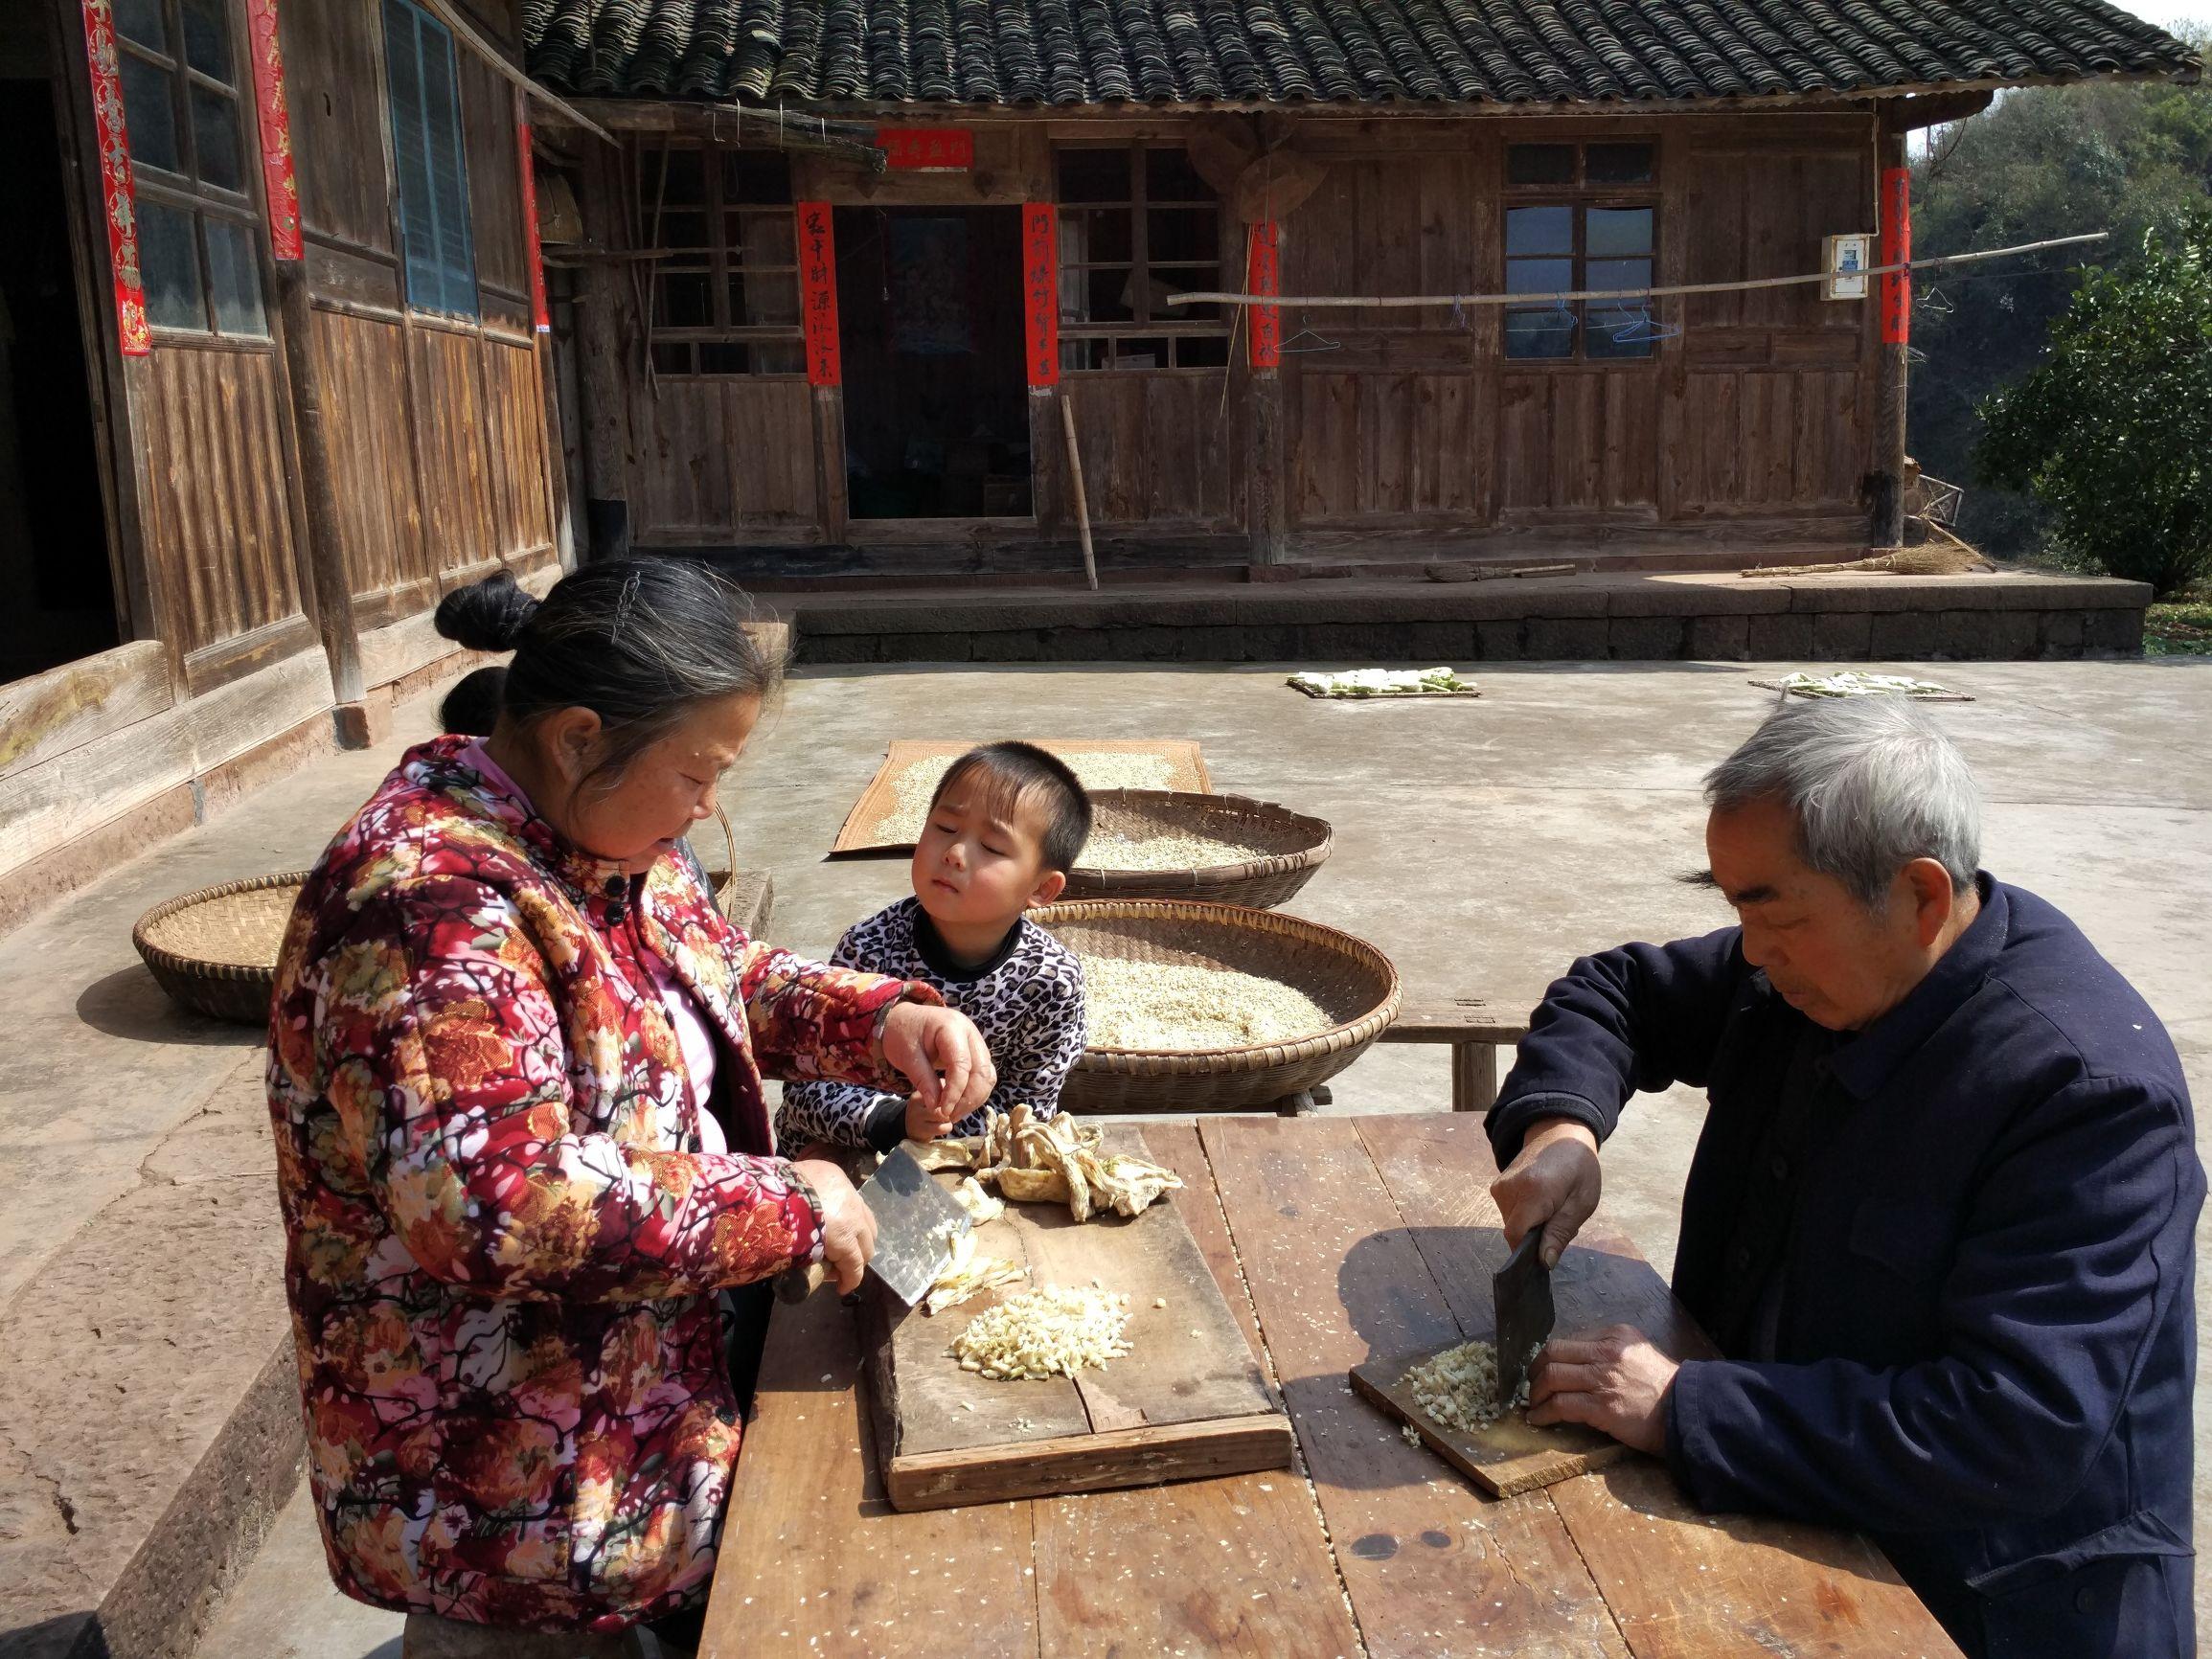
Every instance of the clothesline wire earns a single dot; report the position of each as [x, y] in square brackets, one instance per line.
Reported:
[1422, 302]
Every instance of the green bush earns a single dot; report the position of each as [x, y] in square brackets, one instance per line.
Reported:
[2112, 431]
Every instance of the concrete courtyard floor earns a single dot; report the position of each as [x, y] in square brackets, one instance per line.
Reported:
[1482, 844]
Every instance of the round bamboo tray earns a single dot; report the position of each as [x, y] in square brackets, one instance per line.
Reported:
[1293, 847]
[216, 951]
[1354, 985]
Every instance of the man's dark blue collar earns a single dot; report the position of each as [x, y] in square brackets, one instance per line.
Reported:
[1865, 1063]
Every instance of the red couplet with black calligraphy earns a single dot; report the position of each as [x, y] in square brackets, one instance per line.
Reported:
[1041, 291]
[276, 129]
[1896, 250]
[927, 149]
[116, 193]
[1263, 275]
[818, 293]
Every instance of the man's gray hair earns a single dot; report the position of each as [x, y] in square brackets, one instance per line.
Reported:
[1873, 785]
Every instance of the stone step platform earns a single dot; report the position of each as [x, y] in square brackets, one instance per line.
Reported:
[1627, 616]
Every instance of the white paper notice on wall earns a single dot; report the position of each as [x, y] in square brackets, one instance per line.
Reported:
[1845, 259]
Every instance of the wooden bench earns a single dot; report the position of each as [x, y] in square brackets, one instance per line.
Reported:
[1474, 1029]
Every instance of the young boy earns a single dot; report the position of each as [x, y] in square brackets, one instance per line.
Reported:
[1004, 827]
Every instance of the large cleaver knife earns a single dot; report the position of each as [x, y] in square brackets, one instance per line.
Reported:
[1522, 1289]
[917, 1223]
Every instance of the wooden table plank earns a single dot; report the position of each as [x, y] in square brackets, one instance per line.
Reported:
[1683, 1584]
[1228, 1566]
[1430, 1566]
[1200, 1567]
[814, 1561]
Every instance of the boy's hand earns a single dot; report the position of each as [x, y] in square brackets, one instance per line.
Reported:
[926, 1123]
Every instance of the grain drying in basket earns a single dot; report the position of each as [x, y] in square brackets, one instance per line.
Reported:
[1116, 850]
[1098, 768]
[1181, 1007]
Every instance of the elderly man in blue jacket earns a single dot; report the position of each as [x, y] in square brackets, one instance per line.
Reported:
[1940, 1218]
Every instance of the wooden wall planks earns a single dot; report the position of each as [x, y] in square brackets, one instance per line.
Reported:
[363, 367]
[717, 456]
[218, 525]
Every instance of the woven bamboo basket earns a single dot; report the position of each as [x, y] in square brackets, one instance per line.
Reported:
[216, 951]
[1354, 985]
[1293, 847]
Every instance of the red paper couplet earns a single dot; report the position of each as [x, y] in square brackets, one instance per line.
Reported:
[1041, 291]
[927, 149]
[541, 315]
[1263, 275]
[276, 129]
[116, 190]
[818, 293]
[1896, 250]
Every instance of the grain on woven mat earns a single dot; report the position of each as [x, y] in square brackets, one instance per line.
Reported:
[1098, 768]
[1153, 1005]
[1117, 850]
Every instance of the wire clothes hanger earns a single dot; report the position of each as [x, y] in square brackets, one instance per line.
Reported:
[1320, 343]
[1643, 327]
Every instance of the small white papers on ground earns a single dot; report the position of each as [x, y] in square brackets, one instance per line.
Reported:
[1438, 682]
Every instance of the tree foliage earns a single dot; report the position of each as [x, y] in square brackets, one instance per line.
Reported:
[2112, 431]
[2043, 162]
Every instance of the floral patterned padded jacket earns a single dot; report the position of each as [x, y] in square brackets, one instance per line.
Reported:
[503, 1239]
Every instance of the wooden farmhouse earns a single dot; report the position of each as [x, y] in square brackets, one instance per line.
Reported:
[850, 264]
[271, 378]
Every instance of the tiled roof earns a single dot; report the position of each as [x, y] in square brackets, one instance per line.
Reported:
[1512, 52]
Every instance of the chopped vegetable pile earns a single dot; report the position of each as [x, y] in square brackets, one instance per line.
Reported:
[1382, 683]
[1458, 1388]
[1047, 1332]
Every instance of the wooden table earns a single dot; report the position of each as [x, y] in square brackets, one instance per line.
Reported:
[1332, 1239]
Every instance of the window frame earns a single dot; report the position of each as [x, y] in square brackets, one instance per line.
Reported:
[186, 191]
[720, 258]
[1140, 326]
[1579, 197]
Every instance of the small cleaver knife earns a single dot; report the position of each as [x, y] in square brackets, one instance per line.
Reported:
[1522, 1289]
[916, 1224]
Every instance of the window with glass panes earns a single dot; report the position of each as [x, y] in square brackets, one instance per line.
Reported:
[1137, 224]
[725, 288]
[191, 154]
[1580, 216]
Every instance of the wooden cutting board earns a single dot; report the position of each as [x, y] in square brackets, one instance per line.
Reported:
[1507, 1456]
[1190, 1401]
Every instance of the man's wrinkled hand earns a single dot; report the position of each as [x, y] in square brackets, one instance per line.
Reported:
[1616, 1380]
[1552, 1184]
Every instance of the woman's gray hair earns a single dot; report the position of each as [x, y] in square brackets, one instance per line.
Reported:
[1873, 785]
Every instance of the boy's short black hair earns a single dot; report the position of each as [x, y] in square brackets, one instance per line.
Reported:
[471, 707]
[1015, 772]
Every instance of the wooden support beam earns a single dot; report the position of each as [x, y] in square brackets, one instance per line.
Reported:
[329, 594]
[603, 364]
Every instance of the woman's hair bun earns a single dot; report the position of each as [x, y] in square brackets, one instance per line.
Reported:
[488, 615]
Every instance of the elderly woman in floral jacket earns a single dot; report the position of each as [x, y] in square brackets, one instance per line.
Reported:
[516, 1062]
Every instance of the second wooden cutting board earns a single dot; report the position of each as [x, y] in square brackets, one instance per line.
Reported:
[1509, 1456]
